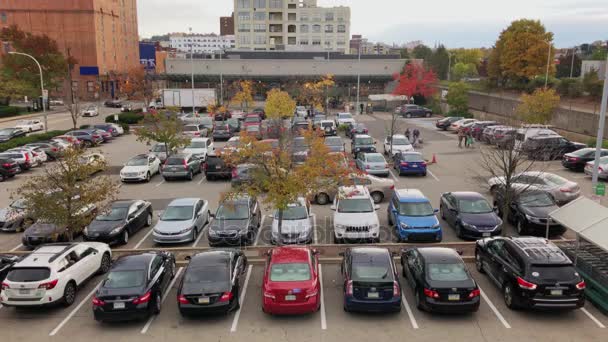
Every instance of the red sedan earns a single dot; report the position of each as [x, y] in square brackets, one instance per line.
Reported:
[291, 281]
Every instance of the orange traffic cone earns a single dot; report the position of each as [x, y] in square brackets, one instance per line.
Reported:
[434, 161]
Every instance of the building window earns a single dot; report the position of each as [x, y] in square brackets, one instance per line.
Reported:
[341, 43]
[90, 86]
[316, 41]
[303, 16]
[329, 28]
[244, 27]
[304, 28]
[243, 3]
[291, 40]
[3, 18]
[316, 28]
[260, 40]
[276, 3]
[259, 28]
[259, 3]
[328, 43]
[291, 16]
[75, 85]
[244, 40]
[341, 28]
[329, 16]
[303, 41]
[244, 16]
[291, 28]
[259, 16]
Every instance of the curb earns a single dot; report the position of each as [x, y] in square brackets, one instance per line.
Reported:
[29, 116]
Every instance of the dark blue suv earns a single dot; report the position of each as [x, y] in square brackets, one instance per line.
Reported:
[413, 216]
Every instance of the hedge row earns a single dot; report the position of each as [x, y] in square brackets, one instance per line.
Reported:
[9, 111]
[128, 118]
[30, 139]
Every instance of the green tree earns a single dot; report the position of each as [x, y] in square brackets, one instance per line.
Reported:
[404, 54]
[461, 70]
[599, 54]
[538, 107]
[458, 98]
[422, 52]
[162, 127]
[59, 195]
[12, 88]
[593, 85]
[467, 56]
[439, 62]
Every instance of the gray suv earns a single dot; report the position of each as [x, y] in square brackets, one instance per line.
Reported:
[181, 166]
[182, 221]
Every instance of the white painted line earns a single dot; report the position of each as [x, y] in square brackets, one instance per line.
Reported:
[151, 319]
[410, 314]
[314, 229]
[235, 321]
[496, 312]
[16, 248]
[393, 175]
[432, 175]
[597, 322]
[65, 320]
[144, 238]
[202, 179]
[257, 236]
[160, 183]
[323, 318]
[200, 235]
[563, 238]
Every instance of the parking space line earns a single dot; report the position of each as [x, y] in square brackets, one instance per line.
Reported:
[160, 183]
[595, 320]
[235, 321]
[257, 236]
[323, 317]
[496, 312]
[314, 228]
[76, 309]
[151, 319]
[432, 174]
[393, 175]
[200, 235]
[16, 248]
[202, 179]
[143, 239]
[410, 314]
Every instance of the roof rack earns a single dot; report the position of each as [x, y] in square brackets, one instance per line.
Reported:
[539, 249]
[56, 254]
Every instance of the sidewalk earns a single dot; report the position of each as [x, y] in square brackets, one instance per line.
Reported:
[30, 116]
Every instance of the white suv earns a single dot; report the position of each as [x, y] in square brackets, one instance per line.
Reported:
[52, 273]
[355, 215]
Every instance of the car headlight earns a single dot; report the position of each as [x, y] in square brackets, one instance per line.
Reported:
[470, 226]
[85, 231]
[375, 226]
[340, 226]
[141, 173]
[212, 232]
[116, 230]
[403, 225]
[437, 226]
[184, 231]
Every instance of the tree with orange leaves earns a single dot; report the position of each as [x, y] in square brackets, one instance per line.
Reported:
[314, 93]
[415, 80]
[138, 85]
[162, 127]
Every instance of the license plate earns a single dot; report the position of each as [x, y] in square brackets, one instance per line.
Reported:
[203, 300]
[24, 291]
[486, 234]
[453, 297]
[217, 167]
[557, 292]
[414, 165]
[119, 305]
[373, 295]
[290, 297]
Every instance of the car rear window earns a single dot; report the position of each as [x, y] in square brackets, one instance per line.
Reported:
[411, 158]
[290, 272]
[30, 274]
[190, 129]
[375, 158]
[124, 279]
[447, 272]
[555, 179]
[416, 209]
[175, 161]
[216, 274]
[372, 272]
[553, 272]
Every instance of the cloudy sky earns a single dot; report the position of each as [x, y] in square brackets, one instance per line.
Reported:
[462, 23]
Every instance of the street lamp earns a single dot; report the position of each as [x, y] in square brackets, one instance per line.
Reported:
[358, 74]
[46, 127]
[600, 129]
[449, 65]
[221, 78]
[192, 67]
[548, 62]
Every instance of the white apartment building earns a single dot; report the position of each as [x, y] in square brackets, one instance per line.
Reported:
[208, 43]
[291, 25]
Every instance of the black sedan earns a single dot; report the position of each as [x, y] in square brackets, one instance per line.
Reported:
[440, 280]
[212, 283]
[470, 214]
[355, 129]
[123, 219]
[445, 123]
[134, 287]
[7, 134]
[6, 262]
[41, 232]
[529, 210]
[371, 281]
[577, 160]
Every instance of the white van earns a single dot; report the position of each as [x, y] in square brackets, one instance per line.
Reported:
[528, 131]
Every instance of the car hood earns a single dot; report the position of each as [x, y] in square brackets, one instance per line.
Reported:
[355, 219]
[336, 148]
[200, 288]
[540, 212]
[173, 226]
[7, 214]
[134, 169]
[195, 150]
[42, 229]
[401, 148]
[221, 225]
[104, 226]
[481, 220]
[422, 222]
[292, 226]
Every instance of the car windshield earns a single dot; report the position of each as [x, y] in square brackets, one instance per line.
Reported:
[553, 273]
[400, 141]
[290, 272]
[293, 213]
[253, 128]
[371, 272]
[582, 152]
[197, 144]
[6, 131]
[124, 279]
[177, 213]
[29, 274]
[411, 157]
[252, 119]
[555, 179]
[418, 209]
[474, 206]
[159, 148]
[191, 129]
[345, 116]
[333, 141]
[364, 141]
[18, 204]
[375, 158]
[355, 205]
[447, 272]
[137, 162]
[536, 199]
[215, 274]
[232, 211]
[114, 214]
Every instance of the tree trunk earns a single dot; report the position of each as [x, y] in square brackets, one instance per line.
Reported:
[280, 225]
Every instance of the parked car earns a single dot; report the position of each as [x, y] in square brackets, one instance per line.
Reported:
[41, 233]
[455, 126]
[446, 122]
[371, 282]
[182, 221]
[345, 119]
[562, 190]
[379, 188]
[260, 112]
[355, 215]
[181, 165]
[142, 167]
[212, 283]
[8, 168]
[409, 163]
[38, 157]
[440, 280]
[549, 147]
[356, 129]
[478, 127]
[242, 174]
[254, 131]
[362, 143]
[238, 114]
[88, 137]
[119, 222]
[414, 111]
[159, 150]
[24, 160]
[7, 134]
[215, 167]
[90, 111]
[529, 210]
[72, 141]
[14, 218]
[531, 272]
[6, 263]
[291, 282]
[301, 111]
[503, 137]
[200, 148]
[602, 169]
[195, 131]
[577, 160]
[252, 119]
[52, 150]
[487, 134]
[528, 131]
[413, 217]
[400, 143]
[237, 221]
[52, 274]
[110, 128]
[470, 214]
[372, 163]
[234, 125]
[95, 161]
[232, 144]
[297, 224]
[222, 131]
[30, 125]
[113, 104]
[335, 144]
[56, 102]
[134, 287]
[327, 127]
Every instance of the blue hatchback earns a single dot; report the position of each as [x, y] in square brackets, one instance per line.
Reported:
[409, 163]
[413, 217]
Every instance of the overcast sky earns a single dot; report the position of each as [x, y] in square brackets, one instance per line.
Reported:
[462, 23]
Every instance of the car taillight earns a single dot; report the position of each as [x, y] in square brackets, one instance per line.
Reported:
[311, 293]
[269, 295]
[600, 169]
[185, 164]
[197, 133]
[431, 293]
[349, 288]
[367, 166]
[423, 163]
[581, 285]
[573, 158]
[48, 285]
[365, 131]
[393, 187]
[234, 173]
[353, 131]
[5, 286]
[54, 149]
[404, 164]
[98, 302]
[396, 291]
[27, 157]
[143, 299]
[226, 296]
[526, 285]
[474, 293]
[565, 190]
[206, 166]
[95, 136]
[182, 299]
[7, 166]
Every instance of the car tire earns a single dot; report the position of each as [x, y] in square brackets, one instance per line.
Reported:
[190, 175]
[509, 296]
[105, 265]
[479, 263]
[336, 240]
[166, 178]
[173, 270]
[194, 234]
[521, 227]
[408, 116]
[322, 199]
[69, 294]
[158, 302]
[424, 174]
[377, 197]
[148, 177]
[442, 212]
[124, 238]
[148, 220]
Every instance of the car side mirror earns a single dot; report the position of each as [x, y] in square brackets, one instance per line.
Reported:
[333, 207]
[376, 207]
[435, 211]
[188, 257]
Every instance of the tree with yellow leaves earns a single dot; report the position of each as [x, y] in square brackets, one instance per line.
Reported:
[315, 93]
[538, 108]
[279, 106]
[244, 95]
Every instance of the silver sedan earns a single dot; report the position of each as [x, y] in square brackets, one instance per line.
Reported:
[372, 163]
[182, 221]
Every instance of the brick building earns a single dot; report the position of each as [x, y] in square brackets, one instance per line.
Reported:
[101, 34]
[227, 25]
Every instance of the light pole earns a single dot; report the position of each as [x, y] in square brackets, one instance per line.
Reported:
[46, 128]
[358, 75]
[192, 67]
[548, 61]
[221, 79]
[572, 63]
[600, 129]
[449, 65]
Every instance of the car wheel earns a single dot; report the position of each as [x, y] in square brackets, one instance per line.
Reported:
[336, 240]
[157, 304]
[194, 234]
[521, 227]
[390, 220]
[442, 212]
[377, 197]
[408, 115]
[418, 301]
[428, 115]
[173, 270]
[124, 239]
[69, 294]
[190, 175]
[322, 199]
[106, 263]
[509, 296]
[148, 177]
[479, 264]
[149, 220]
[403, 273]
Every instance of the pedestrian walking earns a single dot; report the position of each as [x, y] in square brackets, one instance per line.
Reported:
[469, 139]
[407, 133]
[461, 137]
[416, 135]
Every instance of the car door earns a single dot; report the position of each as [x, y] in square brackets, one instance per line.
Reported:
[156, 275]
[153, 165]
[409, 267]
[198, 215]
[140, 215]
[255, 215]
[493, 261]
[87, 263]
[393, 211]
[451, 211]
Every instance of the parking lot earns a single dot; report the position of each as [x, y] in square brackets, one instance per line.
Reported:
[456, 170]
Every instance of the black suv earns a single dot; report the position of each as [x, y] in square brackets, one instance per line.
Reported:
[215, 167]
[549, 147]
[362, 143]
[529, 210]
[532, 273]
[237, 221]
[8, 168]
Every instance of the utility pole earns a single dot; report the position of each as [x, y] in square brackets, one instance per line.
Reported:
[192, 68]
[548, 61]
[600, 129]
[449, 65]
[221, 79]
[572, 64]
[71, 90]
[358, 75]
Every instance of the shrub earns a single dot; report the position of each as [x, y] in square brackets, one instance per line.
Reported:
[6, 112]
[129, 118]
[591, 143]
[466, 115]
[85, 126]
[343, 128]
[30, 139]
